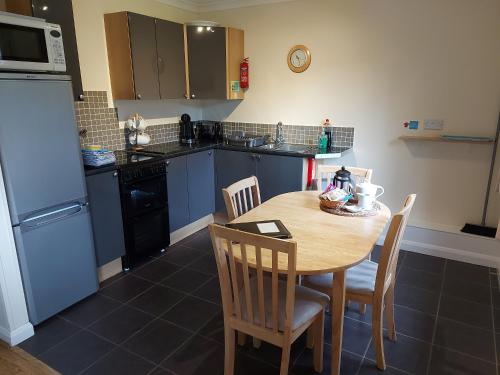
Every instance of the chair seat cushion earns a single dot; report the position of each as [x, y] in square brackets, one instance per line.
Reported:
[308, 303]
[359, 279]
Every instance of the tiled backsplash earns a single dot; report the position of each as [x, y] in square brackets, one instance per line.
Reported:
[99, 125]
[301, 134]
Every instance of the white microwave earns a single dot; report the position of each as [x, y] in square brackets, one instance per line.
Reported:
[30, 44]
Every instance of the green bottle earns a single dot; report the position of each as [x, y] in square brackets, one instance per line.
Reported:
[323, 141]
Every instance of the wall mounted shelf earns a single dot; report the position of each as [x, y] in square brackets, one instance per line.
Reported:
[434, 138]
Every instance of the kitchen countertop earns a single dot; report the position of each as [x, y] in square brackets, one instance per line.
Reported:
[174, 149]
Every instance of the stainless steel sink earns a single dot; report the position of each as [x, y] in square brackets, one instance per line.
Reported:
[285, 147]
[270, 146]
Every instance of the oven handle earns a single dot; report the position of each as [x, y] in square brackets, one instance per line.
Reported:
[132, 183]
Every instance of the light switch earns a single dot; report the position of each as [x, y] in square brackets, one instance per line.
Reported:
[434, 124]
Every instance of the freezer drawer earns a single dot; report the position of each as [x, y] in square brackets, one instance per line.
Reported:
[57, 261]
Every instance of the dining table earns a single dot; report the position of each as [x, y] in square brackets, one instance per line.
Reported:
[325, 243]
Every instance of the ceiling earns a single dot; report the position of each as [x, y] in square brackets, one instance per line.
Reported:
[213, 5]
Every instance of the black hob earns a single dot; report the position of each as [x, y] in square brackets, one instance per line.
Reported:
[133, 158]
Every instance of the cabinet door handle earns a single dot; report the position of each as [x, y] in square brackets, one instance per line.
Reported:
[209, 153]
[168, 163]
[81, 97]
[258, 157]
[193, 96]
[139, 96]
[115, 174]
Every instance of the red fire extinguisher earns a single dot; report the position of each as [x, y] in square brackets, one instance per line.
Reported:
[244, 79]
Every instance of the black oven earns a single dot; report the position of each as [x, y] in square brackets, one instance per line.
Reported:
[143, 189]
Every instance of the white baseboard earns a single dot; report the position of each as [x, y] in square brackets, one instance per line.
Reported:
[110, 269]
[18, 335]
[456, 246]
[190, 229]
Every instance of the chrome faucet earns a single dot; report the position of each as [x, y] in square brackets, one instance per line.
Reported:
[280, 138]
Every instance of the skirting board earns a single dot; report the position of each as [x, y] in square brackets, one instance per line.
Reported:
[190, 229]
[18, 335]
[462, 247]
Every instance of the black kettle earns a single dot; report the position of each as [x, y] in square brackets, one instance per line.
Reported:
[342, 180]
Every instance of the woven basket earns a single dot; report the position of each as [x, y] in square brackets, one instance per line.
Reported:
[331, 204]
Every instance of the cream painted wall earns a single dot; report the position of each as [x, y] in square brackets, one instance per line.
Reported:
[376, 64]
[91, 39]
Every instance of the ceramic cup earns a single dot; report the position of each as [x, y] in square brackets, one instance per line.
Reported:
[143, 139]
[367, 194]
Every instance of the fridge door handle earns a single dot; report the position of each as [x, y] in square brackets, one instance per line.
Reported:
[62, 213]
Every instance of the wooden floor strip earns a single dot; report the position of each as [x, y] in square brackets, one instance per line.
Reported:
[15, 361]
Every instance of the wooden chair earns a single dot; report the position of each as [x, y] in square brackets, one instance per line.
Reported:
[241, 197]
[327, 172]
[268, 308]
[372, 283]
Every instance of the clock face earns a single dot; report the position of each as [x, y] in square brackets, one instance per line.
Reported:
[299, 58]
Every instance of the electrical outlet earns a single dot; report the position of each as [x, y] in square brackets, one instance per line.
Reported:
[434, 124]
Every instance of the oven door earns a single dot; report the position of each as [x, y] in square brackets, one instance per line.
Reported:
[145, 235]
[142, 196]
[23, 45]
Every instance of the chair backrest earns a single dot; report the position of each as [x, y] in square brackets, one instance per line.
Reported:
[235, 282]
[328, 172]
[389, 254]
[241, 197]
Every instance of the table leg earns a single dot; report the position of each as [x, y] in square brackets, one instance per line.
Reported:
[338, 304]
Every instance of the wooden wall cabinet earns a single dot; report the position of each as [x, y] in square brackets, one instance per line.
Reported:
[214, 58]
[146, 57]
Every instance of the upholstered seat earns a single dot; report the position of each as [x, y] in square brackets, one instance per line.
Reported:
[308, 303]
[359, 279]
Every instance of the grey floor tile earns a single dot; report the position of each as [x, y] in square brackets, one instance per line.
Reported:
[272, 354]
[357, 335]
[464, 289]
[121, 324]
[157, 341]
[200, 241]
[417, 298]
[112, 280]
[186, 280]
[353, 312]
[191, 313]
[157, 270]
[47, 335]
[414, 323]
[472, 313]
[198, 356]
[214, 328]
[245, 365]
[120, 362]
[182, 255]
[420, 279]
[447, 362]
[126, 288]
[424, 263]
[349, 363]
[464, 338]
[205, 264]
[157, 300]
[161, 371]
[406, 354]
[210, 291]
[77, 353]
[460, 271]
[369, 367]
[89, 310]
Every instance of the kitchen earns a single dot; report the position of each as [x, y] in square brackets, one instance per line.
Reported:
[363, 77]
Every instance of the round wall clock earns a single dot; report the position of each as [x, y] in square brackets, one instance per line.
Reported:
[299, 58]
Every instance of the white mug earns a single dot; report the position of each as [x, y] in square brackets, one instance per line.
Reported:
[365, 201]
[369, 189]
[143, 139]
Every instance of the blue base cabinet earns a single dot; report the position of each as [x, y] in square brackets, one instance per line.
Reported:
[106, 213]
[231, 166]
[200, 184]
[177, 187]
[278, 175]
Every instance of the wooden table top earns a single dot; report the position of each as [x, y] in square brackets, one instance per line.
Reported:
[325, 242]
